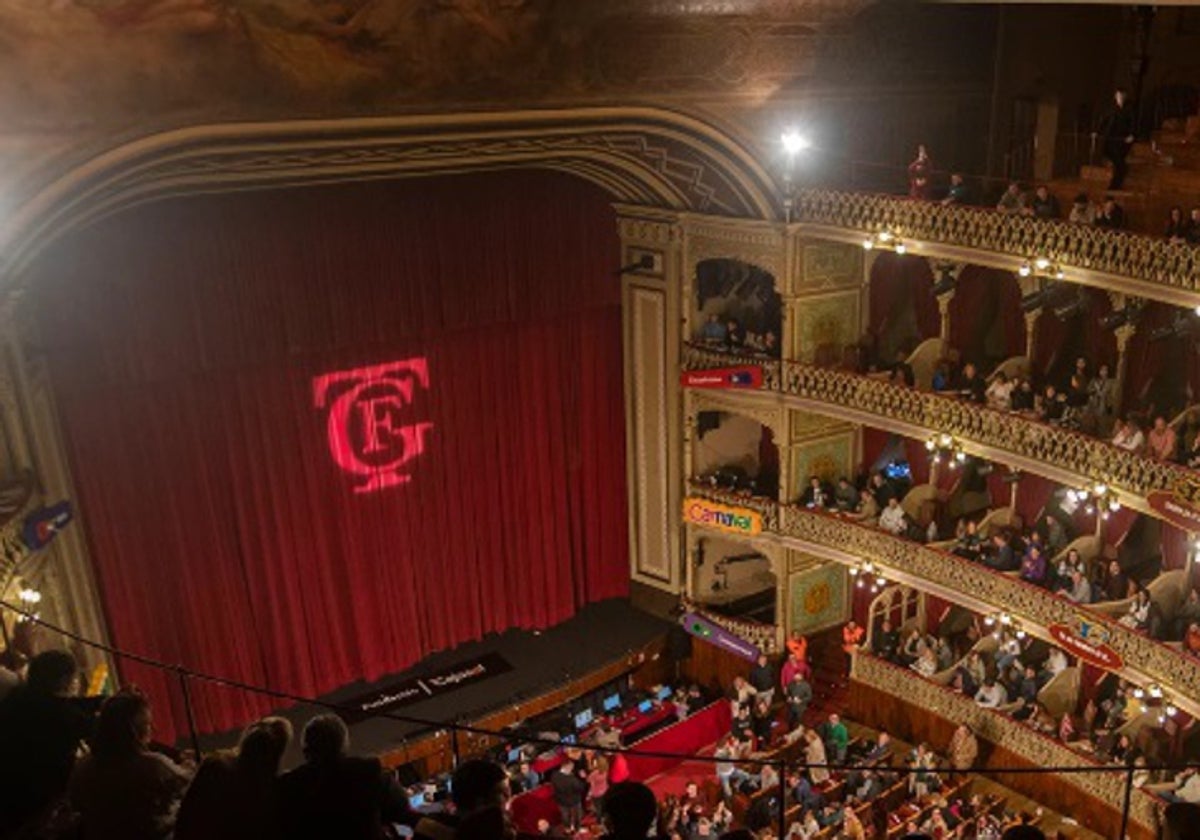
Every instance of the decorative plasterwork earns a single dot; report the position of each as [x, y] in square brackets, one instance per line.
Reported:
[757, 243]
[769, 413]
[1056, 453]
[645, 156]
[967, 583]
[1000, 729]
[1133, 263]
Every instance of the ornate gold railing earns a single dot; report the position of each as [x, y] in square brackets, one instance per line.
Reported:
[993, 726]
[1061, 454]
[1158, 265]
[978, 586]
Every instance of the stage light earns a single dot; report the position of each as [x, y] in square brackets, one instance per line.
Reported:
[794, 142]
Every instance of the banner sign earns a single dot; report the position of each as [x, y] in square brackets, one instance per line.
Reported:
[434, 684]
[735, 520]
[1089, 642]
[1175, 510]
[705, 630]
[43, 524]
[745, 376]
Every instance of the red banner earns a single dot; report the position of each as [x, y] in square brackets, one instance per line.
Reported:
[1089, 643]
[746, 376]
[1175, 510]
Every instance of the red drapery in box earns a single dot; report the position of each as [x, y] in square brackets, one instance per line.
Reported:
[184, 339]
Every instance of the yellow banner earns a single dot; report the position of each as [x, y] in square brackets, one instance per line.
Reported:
[735, 520]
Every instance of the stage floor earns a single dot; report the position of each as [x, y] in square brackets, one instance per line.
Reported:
[597, 635]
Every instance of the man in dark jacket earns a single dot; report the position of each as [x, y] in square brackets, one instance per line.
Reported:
[334, 795]
[762, 679]
[1119, 129]
[569, 790]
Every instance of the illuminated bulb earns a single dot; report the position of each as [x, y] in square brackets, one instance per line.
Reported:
[1005, 619]
[1198, 310]
[1101, 489]
[901, 248]
[1170, 710]
[860, 584]
[960, 455]
[885, 236]
[868, 567]
[1104, 516]
[1024, 270]
[937, 459]
[1042, 263]
[793, 141]
[930, 445]
[946, 440]
[854, 571]
[1072, 496]
[1089, 510]
[1060, 275]
[1138, 693]
[1156, 691]
[30, 596]
[1020, 634]
[868, 244]
[990, 620]
[1114, 505]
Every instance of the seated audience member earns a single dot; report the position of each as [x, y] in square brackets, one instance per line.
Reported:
[1082, 211]
[1033, 566]
[1128, 436]
[1043, 205]
[1111, 215]
[1080, 589]
[1117, 586]
[970, 384]
[41, 727]
[881, 749]
[902, 371]
[233, 795]
[926, 663]
[957, 193]
[1161, 441]
[882, 489]
[1100, 397]
[969, 543]
[333, 794]
[845, 497]
[1138, 617]
[1012, 203]
[999, 393]
[867, 511]
[1192, 235]
[941, 376]
[713, 331]
[1023, 400]
[1191, 639]
[991, 695]
[817, 494]
[1001, 556]
[922, 780]
[122, 789]
[1193, 452]
[892, 518]
[1052, 406]
[629, 811]
[1187, 788]
[1177, 225]
[480, 793]
[770, 345]
[729, 774]
[735, 336]
[1188, 612]
[886, 643]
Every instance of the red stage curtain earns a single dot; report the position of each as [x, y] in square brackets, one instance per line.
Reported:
[184, 339]
[901, 302]
[986, 323]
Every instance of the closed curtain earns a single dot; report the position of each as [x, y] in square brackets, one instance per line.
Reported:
[186, 339]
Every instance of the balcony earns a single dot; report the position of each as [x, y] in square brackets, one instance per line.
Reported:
[1060, 454]
[1134, 264]
[970, 584]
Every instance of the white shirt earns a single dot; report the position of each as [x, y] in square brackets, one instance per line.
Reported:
[892, 519]
[992, 697]
[1056, 662]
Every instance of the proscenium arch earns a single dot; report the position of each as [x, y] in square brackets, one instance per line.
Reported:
[642, 156]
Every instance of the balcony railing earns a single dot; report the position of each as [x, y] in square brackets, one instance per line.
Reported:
[1160, 268]
[996, 727]
[973, 584]
[1057, 453]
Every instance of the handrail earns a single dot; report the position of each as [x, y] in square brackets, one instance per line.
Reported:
[1060, 454]
[1000, 729]
[972, 584]
[1135, 263]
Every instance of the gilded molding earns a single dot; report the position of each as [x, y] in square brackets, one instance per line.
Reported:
[1003, 731]
[1117, 260]
[969, 583]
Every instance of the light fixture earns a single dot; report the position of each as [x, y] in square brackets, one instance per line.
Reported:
[30, 596]
[943, 446]
[867, 575]
[1025, 270]
[885, 239]
[794, 142]
[1041, 263]
[1096, 499]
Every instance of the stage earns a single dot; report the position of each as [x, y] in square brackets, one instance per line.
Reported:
[531, 663]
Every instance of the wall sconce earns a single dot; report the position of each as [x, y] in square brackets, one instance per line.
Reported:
[1002, 621]
[1041, 267]
[944, 446]
[1096, 499]
[885, 240]
[867, 574]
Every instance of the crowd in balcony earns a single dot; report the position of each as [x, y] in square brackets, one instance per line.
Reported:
[728, 334]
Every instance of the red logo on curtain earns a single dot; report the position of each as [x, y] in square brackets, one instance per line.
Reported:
[368, 435]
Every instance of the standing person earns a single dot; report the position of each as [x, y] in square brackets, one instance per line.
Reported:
[762, 679]
[569, 791]
[919, 173]
[799, 695]
[233, 795]
[1119, 129]
[335, 795]
[41, 727]
[852, 638]
[122, 789]
[815, 757]
[964, 749]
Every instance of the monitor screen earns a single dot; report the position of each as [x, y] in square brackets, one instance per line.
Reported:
[514, 756]
[417, 801]
[568, 739]
[583, 719]
[645, 706]
[898, 469]
[663, 692]
[611, 702]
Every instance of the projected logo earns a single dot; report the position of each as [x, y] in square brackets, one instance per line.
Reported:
[371, 436]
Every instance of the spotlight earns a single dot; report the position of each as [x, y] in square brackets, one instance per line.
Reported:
[794, 142]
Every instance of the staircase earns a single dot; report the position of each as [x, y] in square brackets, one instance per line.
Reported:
[1163, 172]
[829, 678]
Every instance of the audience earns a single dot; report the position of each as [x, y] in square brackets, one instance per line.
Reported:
[1111, 215]
[1012, 202]
[1082, 211]
[1043, 205]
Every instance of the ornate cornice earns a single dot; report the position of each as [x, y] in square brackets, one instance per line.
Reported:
[1040, 751]
[1060, 454]
[967, 583]
[1136, 264]
[641, 155]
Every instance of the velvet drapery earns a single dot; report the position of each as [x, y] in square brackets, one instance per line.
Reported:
[184, 340]
[986, 324]
[903, 310]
